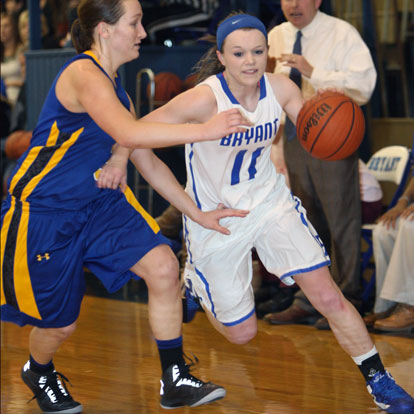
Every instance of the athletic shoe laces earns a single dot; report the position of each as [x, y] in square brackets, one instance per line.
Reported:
[58, 386]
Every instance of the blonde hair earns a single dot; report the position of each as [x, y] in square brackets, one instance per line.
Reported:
[24, 20]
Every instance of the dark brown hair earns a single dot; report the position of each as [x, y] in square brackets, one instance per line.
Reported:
[90, 14]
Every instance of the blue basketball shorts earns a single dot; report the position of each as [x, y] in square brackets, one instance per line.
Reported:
[44, 253]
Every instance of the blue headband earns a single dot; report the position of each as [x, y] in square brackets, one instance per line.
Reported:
[239, 21]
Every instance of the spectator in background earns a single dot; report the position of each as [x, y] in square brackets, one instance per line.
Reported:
[17, 139]
[14, 8]
[371, 194]
[54, 14]
[5, 109]
[71, 15]
[47, 41]
[10, 65]
[320, 51]
[393, 241]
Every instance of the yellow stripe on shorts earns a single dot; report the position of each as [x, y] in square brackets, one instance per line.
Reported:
[129, 195]
[18, 274]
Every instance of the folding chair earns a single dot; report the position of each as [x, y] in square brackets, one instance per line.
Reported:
[389, 164]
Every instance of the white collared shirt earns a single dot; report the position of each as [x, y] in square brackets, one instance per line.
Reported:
[336, 51]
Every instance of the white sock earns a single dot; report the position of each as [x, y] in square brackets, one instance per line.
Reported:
[360, 359]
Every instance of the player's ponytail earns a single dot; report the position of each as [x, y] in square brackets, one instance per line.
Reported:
[90, 14]
[81, 41]
[209, 64]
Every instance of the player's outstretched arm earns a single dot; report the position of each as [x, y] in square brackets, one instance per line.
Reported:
[160, 177]
[84, 89]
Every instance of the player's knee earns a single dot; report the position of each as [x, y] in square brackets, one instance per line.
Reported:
[331, 301]
[65, 332]
[167, 271]
[241, 336]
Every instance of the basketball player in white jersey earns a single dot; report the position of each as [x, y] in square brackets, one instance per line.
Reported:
[237, 172]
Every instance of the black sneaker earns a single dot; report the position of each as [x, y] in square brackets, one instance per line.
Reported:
[179, 388]
[50, 391]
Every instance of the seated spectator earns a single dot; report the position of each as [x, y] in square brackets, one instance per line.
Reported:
[48, 41]
[71, 15]
[14, 8]
[10, 66]
[393, 241]
[16, 139]
[371, 194]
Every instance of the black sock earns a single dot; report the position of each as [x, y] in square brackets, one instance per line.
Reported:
[171, 352]
[41, 368]
[371, 366]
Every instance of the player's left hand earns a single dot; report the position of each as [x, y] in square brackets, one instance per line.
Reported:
[211, 219]
[113, 175]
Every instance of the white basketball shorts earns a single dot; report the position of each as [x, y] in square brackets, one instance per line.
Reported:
[219, 267]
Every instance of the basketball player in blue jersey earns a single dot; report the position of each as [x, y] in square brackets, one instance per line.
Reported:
[56, 220]
[237, 171]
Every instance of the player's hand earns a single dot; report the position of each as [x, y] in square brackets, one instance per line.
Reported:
[211, 219]
[226, 123]
[113, 174]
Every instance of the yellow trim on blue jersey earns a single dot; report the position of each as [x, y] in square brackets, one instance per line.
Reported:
[22, 283]
[31, 157]
[4, 231]
[93, 56]
[55, 159]
[53, 136]
[129, 195]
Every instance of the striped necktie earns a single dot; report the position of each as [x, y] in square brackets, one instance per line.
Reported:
[296, 77]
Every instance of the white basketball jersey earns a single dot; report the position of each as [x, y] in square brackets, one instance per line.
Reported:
[236, 170]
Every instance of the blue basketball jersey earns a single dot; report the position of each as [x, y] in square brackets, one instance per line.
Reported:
[57, 170]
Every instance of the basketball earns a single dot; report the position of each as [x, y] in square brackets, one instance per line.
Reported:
[190, 81]
[17, 143]
[330, 126]
[167, 85]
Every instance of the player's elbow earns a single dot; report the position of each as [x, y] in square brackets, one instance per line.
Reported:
[130, 140]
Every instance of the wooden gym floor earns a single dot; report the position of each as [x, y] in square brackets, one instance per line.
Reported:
[112, 362]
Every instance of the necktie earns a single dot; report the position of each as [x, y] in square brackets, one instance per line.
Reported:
[296, 77]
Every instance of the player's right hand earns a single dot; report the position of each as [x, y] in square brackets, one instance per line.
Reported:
[211, 219]
[226, 123]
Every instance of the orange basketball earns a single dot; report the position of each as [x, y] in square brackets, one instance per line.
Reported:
[190, 81]
[17, 143]
[330, 126]
[167, 85]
